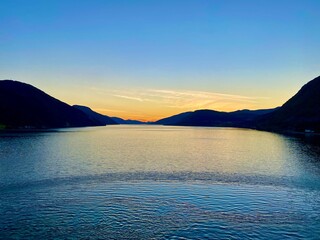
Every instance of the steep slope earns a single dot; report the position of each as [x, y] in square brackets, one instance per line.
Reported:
[95, 117]
[299, 113]
[173, 120]
[24, 106]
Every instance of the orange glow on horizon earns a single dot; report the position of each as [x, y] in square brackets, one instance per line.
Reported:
[153, 104]
[150, 105]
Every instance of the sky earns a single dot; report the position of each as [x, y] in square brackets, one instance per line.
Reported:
[146, 59]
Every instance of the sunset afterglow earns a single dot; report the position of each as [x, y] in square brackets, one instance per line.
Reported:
[150, 59]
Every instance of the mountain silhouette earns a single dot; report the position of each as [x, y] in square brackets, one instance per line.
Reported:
[128, 121]
[211, 118]
[173, 120]
[96, 117]
[299, 113]
[24, 106]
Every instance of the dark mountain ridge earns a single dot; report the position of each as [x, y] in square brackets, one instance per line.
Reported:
[104, 119]
[95, 117]
[299, 113]
[24, 106]
[173, 120]
[126, 121]
[211, 118]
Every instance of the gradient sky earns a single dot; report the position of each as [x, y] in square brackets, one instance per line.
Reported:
[151, 59]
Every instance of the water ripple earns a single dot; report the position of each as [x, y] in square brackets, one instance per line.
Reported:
[158, 210]
[205, 177]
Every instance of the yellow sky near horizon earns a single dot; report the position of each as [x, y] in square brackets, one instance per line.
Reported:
[153, 104]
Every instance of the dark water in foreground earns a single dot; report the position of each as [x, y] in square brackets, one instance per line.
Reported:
[154, 182]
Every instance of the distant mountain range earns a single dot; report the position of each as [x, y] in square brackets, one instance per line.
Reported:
[128, 121]
[24, 106]
[96, 117]
[104, 119]
[300, 113]
[211, 118]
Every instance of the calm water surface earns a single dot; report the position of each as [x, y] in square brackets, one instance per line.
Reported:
[156, 182]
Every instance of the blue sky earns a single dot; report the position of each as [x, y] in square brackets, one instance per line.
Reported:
[92, 52]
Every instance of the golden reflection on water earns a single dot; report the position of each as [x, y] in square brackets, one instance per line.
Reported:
[155, 149]
[182, 149]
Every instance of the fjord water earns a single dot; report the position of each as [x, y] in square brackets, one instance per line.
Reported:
[157, 182]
